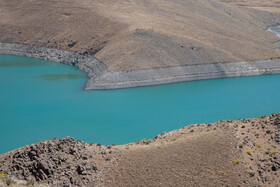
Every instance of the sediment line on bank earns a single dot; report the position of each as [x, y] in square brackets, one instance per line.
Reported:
[157, 76]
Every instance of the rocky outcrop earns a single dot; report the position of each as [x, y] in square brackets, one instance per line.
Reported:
[64, 162]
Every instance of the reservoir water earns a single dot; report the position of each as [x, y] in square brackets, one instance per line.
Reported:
[40, 100]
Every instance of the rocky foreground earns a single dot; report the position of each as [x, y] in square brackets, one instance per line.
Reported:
[234, 153]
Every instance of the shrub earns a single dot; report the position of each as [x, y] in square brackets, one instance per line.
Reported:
[94, 168]
[268, 132]
[240, 146]
[248, 152]
[98, 144]
[2, 174]
[252, 174]
[90, 143]
[274, 151]
[146, 141]
[237, 161]
[259, 145]
[54, 138]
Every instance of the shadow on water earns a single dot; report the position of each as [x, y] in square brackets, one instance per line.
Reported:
[55, 77]
[18, 61]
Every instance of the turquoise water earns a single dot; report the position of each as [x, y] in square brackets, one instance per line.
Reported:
[41, 99]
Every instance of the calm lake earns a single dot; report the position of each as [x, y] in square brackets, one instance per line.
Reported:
[41, 99]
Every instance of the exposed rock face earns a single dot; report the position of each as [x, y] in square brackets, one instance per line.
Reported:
[64, 162]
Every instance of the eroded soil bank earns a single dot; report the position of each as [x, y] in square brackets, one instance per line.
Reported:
[242, 152]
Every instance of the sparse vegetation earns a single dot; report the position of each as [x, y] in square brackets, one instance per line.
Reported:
[146, 141]
[237, 161]
[54, 138]
[8, 181]
[30, 182]
[252, 174]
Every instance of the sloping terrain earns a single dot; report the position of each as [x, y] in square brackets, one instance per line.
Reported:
[226, 153]
[134, 34]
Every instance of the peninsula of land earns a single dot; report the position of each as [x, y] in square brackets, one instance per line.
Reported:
[124, 44]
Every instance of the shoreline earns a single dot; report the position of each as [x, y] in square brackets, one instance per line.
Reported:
[86, 63]
[246, 146]
[101, 79]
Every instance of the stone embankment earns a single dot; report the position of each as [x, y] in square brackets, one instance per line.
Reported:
[157, 76]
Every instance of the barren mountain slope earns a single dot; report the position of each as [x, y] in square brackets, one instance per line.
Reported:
[134, 34]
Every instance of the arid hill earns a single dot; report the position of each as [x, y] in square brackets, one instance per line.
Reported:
[226, 153]
[134, 34]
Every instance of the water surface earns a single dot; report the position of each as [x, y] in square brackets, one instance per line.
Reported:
[41, 99]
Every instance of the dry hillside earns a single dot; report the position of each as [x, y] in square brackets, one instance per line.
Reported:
[134, 34]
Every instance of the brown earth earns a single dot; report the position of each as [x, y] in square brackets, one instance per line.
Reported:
[133, 34]
[226, 153]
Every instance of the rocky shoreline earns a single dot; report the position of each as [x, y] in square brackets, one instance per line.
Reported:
[86, 63]
[226, 153]
[100, 78]
[158, 76]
